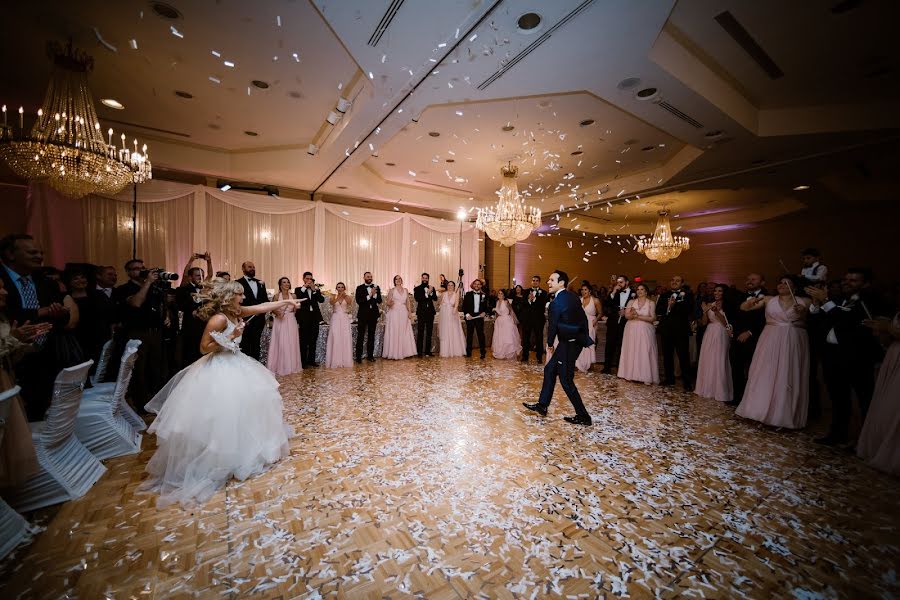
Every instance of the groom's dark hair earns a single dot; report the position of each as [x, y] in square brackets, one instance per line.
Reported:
[307, 273]
[426, 274]
[562, 276]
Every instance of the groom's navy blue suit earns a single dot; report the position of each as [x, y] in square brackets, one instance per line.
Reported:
[568, 322]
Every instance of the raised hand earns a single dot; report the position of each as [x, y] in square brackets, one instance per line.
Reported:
[28, 332]
[819, 295]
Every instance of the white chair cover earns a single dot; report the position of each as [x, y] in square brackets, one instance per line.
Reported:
[68, 469]
[14, 529]
[100, 425]
[103, 362]
[102, 390]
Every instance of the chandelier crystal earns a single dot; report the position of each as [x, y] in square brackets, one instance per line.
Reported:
[510, 221]
[663, 246]
[66, 146]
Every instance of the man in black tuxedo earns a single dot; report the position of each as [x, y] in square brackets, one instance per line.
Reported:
[308, 318]
[425, 296]
[568, 323]
[368, 297]
[31, 298]
[191, 327]
[747, 327]
[254, 293]
[101, 296]
[614, 307]
[533, 319]
[850, 350]
[475, 309]
[674, 310]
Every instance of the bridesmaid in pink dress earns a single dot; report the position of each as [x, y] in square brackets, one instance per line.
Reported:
[879, 442]
[399, 341]
[453, 342]
[714, 366]
[777, 392]
[339, 347]
[639, 360]
[506, 343]
[591, 308]
[284, 347]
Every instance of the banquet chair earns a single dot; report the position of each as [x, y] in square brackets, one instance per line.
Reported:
[13, 527]
[101, 426]
[102, 362]
[102, 391]
[67, 468]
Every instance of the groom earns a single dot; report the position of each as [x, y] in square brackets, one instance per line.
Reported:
[569, 323]
[308, 318]
[368, 297]
[425, 296]
[475, 309]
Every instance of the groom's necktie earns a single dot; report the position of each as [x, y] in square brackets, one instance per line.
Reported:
[30, 301]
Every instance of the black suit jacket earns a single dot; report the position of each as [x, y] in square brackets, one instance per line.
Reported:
[854, 339]
[469, 304]
[568, 321]
[368, 307]
[424, 304]
[309, 310]
[47, 293]
[185, 300]
[612, 305]
[533, 312]
[678, 320]
[747, 320]
[249, 299]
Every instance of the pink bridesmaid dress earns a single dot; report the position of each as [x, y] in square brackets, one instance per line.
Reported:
[284, 347]
[639, 359]
[588, 355]
[506, 342]
[453, 342]
[339, 347]
[399, 341]
[714, 366]
[777, 392]
[879, 442]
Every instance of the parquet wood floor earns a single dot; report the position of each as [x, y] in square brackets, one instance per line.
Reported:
[427, 478]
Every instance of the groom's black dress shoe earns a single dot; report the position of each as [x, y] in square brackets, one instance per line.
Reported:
[371, 359]
[578, 420]
[541, 410]
[429, 354]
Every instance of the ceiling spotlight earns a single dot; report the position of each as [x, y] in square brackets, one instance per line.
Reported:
[343, 105]
[390, 164]
[312, 150]
[801, 188]
[185, 95]
[260, 84]
[528, 21]
[587, 123]
[434, 134]
[112, 103]
[508, 127]
[578, 153]
[650, 93]
[225, 187]
[333, 117]
[461, 214]
[251, 133]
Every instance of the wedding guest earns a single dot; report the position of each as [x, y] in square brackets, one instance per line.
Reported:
[254, 293]
[108, 320]
[703, 296]
[475, 310]
[339, 347]
[452, 340]
[518, 304]
[171, 329]
[639, 358]
[533, 319]
[186, 272]
[425, 295]
[614, 307]
[368, 297]
[284, 347]
[879, 442]
[748, 326]
[813, 270]
[308, 317]
[188, 301]
[399, 341]
[673, 311]
[442, 282]
[223, 275]
[850, 351]
[89, 331]
[592, 310]
[714, 366]
[777, 392]
[506, 342]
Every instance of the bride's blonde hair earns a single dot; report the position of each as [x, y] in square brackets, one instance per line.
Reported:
[217, 296]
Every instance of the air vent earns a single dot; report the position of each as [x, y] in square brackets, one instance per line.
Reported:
[385, 22]
[680, 114]
[533, 45]
[749, 45]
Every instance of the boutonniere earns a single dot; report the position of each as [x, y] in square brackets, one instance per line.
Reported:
[680, 296]
[632, 296]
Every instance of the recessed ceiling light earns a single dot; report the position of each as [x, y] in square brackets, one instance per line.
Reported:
[342, 187]
[648, 148]
[112, 103]
[628, 83]
[631, 142]
[215, 126]
[716, 133]
[451, 160]
[434, 134]
[578, 153]
[528, 21]
[587, 123]
[800, 188]
[260, 84]
[508, 127]
[184, 95]
[251, 133]
[165, 11]
[391, 164]
[647, 93]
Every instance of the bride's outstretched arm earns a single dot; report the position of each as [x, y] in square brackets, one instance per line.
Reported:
[265, 307]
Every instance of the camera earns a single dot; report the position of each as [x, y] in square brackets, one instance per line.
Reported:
[163, 275]
[460, 272]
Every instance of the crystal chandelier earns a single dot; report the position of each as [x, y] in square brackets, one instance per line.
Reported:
[663, 246]
[65, 146]
[510, 221]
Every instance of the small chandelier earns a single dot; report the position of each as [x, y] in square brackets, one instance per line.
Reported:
[65, 146]
[510, 221]
[663, 246]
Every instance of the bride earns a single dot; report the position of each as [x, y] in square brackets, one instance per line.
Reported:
[221, 416]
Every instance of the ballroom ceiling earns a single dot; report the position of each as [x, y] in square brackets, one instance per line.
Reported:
[602, 100]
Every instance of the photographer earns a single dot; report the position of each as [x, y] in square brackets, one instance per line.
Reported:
[141, 302]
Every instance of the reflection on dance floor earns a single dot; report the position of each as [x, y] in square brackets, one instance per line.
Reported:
[428, 478]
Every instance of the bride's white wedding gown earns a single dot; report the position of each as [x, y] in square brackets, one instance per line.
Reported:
[218, 418]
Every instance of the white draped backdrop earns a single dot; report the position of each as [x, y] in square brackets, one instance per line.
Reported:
[283, 237]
